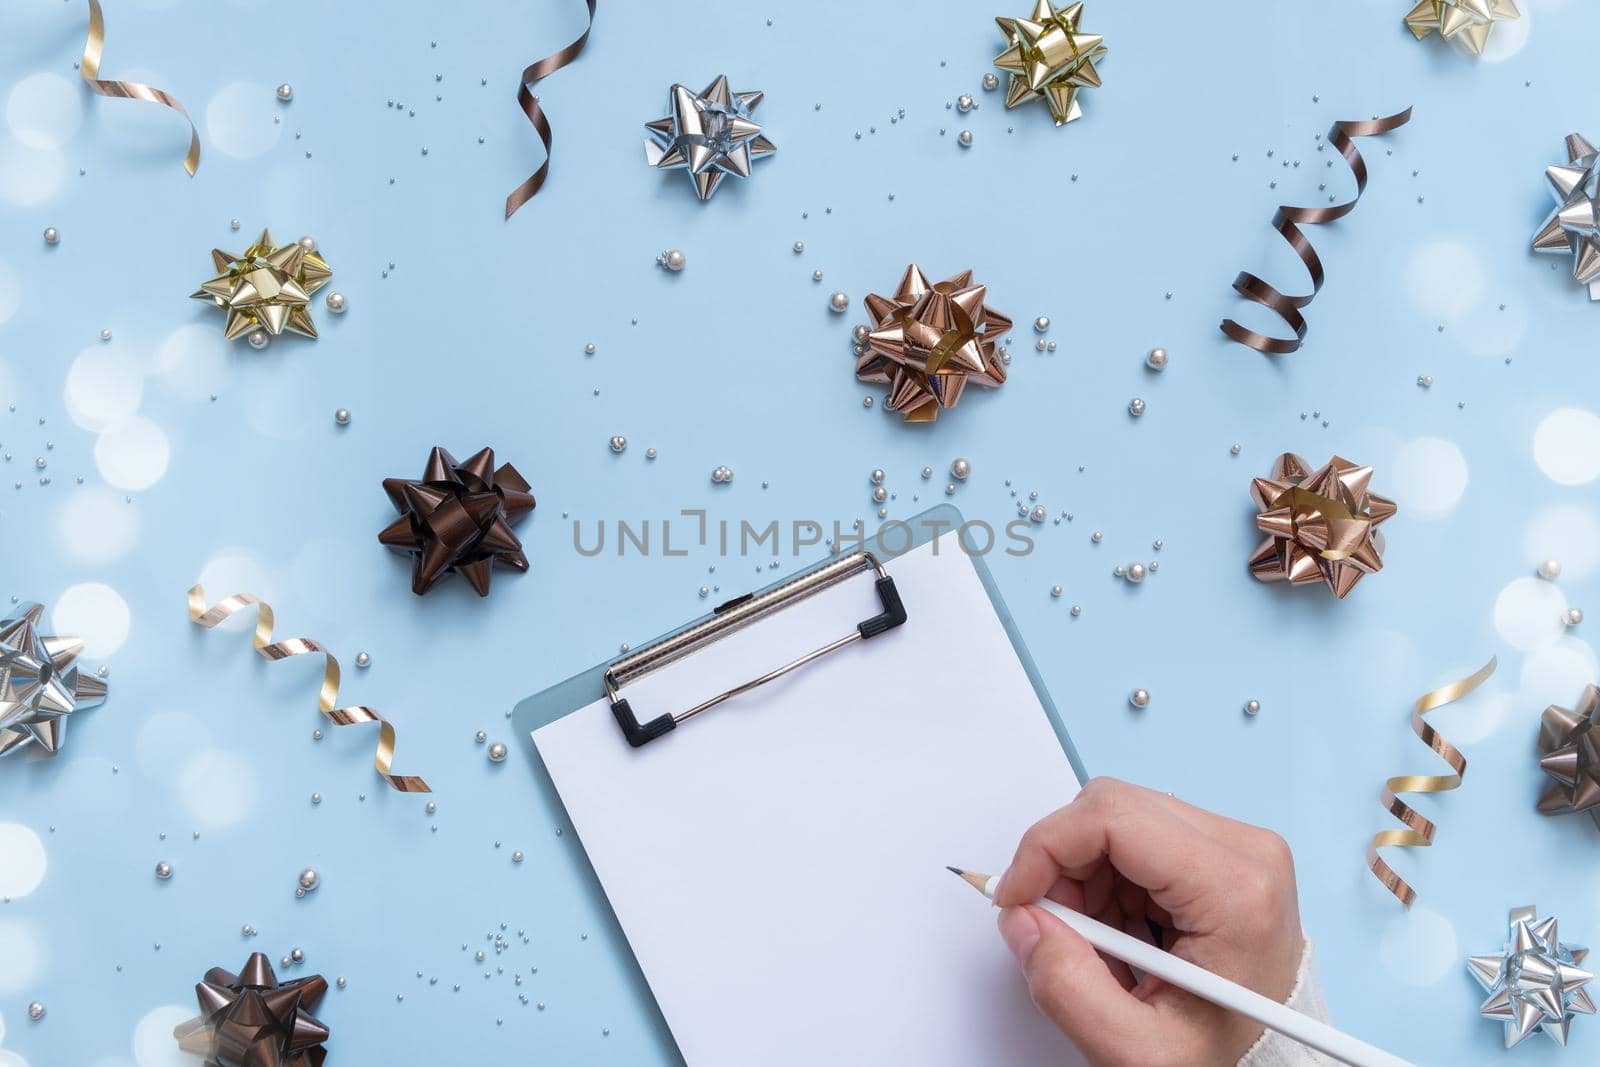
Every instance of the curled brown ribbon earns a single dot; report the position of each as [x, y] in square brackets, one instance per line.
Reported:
[89, 67]
[1419, 830]
[1287, 221]
[531, 76]
[327, 697]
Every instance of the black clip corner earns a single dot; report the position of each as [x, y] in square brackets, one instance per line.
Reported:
[893, 614]
[640, 734]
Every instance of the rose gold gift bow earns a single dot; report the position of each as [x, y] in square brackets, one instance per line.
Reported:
[531, 76]
[1287, 222]
[89, 67]
[327, 697]
[1419, 832]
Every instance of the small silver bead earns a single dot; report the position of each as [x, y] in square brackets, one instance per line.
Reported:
[618, 443]
[316, 735]
[1139, 698]
[879, 494]
[233, 224]
[430, 807]
[340, 981]
[960, 468]
[1055, 590]
[964, 138]
[309, 879]
[799, 246]
[105, 335]
[649, 453]
[497, 752]
[480, 737]
[588, 349]
[286, 92]
[51, 235]
[36, 1011]
[1038, 514]
[516, 856]
[1136, 407]
[1077, 609]
[1136, 572]
[247, 930]
[1039, 344]
[1041, 324]
[1096, 537]
[722, 475]
[965, 103]
[990, 82]
[363, 660]
[878, 476]
[258, 339]
[1550, 569]
[838, 301]
[1119, 570]
[1251, 707]
[860, 331]
[297, 955]
[1156, 359]
[337, 303]
[1574, 616]
[1235, 449]
[1158, 544]
[816, 275]
[950, 489]
[1424, 380]
[316, 798]
[342, 416]
[163, 870]
[704, 591]
[866, 401]
[927, 472]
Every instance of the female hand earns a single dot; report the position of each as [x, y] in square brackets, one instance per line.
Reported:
[1222, 894]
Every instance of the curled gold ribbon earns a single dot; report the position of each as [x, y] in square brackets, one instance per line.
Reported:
[327, 697]
[1419, 831]
[531, 76]
[1287, 222]
[89, 67]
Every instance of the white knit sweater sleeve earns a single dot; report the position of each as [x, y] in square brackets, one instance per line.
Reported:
[1272, 1049]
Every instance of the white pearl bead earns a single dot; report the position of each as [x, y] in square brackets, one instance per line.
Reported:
[1139, 698]
[1156, 359]
[1096, 536]
[991, 82]
[588, 349]
[964, 138]
[36, 1011]
[673, 259]
[838, 301]
[1550, 569]
[497, 752]
[860, 331]
[618, 443]
[363, 659]
[1136, 572]
[878, 476]
[309, 879]
[1055, 590]
[342, 416]
[480, 737]
[799, 246]
[298, 955]
[1235, 449]
[163, 870]
[927, 472]
[1574, 616]
[516, 856]
[960, 469]
[286, 92]
[51, 235]
[965, 103]
[1038, 513]
[1042, 323]
[308, 242]
[1136, 407]
[258, 339]
[105, 335]
[1252, 706]
[337, 303]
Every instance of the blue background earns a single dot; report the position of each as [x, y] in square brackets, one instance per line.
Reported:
[475, 336]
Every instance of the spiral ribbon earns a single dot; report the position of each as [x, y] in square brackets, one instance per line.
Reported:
[328, 697]
[1419, 831]
[1287, 221]
[89, 67]
[531, 76]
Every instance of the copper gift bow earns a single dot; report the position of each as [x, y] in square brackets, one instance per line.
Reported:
[89, 67]
[531, 76]
[327, 697]
[1419, 832]
[1286, 221]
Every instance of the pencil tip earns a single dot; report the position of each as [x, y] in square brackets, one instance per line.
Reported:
[980, 882]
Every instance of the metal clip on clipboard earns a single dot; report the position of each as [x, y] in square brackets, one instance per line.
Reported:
[735, 615]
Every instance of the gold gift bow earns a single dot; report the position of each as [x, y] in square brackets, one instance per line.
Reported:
[1286, 221]
[89, 67]
[532, 75]
[1419, 833]
[327, 697]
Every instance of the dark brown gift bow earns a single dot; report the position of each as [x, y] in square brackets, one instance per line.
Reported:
[1287, 221]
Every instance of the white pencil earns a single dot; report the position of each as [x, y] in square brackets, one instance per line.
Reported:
[1202, 983]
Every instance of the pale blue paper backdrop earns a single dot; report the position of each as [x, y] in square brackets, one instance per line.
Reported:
[1125, 229]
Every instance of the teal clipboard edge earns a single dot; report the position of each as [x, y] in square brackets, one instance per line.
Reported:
[944, 521]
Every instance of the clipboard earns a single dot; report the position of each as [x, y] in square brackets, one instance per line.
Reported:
[639, 727]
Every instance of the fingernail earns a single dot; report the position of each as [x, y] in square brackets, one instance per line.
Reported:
[1020, 931]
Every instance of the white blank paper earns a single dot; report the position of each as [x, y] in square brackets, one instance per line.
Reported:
[778, 863]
